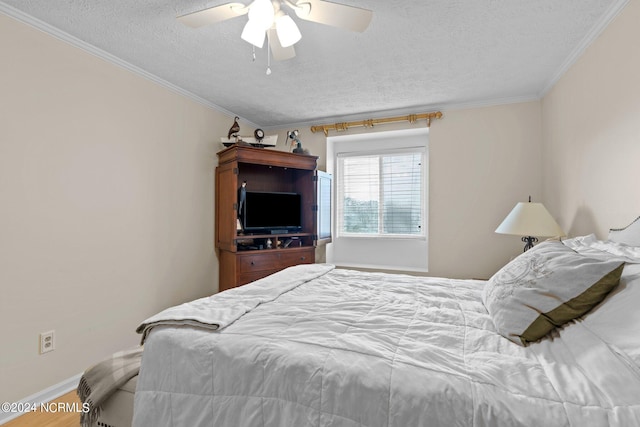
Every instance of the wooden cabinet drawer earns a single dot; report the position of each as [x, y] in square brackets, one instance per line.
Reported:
[259, 265]
[275, 260]
[240, 268]
[245, 278]
[259, 261]
[304, 256]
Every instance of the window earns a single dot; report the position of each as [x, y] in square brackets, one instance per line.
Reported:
[380, 200]
[380, 195]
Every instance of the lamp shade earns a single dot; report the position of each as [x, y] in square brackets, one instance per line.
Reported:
[530, 219]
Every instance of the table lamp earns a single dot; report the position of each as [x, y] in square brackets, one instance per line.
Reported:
[529, 219]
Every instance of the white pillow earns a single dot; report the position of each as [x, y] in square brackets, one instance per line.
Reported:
[546, 287]
[617, 319]
[589, 245]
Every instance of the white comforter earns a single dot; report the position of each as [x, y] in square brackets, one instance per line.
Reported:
[360, 349]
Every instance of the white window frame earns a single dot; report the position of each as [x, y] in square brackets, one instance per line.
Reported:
[381, 235]
[393, 252]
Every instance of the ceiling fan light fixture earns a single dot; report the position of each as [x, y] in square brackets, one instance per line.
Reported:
[253, 33]
[287, 30]
[267, 20]
[262, 13]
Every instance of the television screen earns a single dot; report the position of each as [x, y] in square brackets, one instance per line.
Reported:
[272, 212]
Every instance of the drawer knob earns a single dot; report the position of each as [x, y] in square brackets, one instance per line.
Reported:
[253, 263]
[302, 258]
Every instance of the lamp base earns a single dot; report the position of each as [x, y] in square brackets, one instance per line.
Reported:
[529, 240]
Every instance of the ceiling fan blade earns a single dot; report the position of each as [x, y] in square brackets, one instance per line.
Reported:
[279, 53]
[213, 14]
[334, 14]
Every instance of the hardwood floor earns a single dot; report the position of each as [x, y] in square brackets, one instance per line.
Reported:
[54, 418]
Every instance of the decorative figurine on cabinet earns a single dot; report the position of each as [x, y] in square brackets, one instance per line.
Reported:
[293, 135]
[234, 129]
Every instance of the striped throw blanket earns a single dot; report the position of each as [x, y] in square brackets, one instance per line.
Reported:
[103, 379]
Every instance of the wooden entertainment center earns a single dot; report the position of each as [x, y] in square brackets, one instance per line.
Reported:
[244, 257]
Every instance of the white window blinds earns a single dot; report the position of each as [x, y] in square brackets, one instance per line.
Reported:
[381, 194]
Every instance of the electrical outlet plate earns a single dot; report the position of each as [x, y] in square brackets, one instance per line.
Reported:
[47, 341]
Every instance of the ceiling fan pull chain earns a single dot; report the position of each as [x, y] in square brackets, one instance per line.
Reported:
[268, 54]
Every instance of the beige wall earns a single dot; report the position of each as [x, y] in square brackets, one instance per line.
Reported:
[482, 161]
[106, 205]
[591, 133]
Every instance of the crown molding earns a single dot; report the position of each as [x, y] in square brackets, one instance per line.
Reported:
[25, 18]
[406, 111]
[614, 10]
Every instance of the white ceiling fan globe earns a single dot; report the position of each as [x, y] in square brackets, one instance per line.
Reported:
[287, 30]
[261, 12]
[253, 33]
[262, 17]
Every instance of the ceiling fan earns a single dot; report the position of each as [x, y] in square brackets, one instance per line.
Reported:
[268, 20]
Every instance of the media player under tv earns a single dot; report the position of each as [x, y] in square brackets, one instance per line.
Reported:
[279, 231]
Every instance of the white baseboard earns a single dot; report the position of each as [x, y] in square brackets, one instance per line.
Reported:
[45, 395]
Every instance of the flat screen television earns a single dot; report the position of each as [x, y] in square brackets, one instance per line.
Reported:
[271, 212]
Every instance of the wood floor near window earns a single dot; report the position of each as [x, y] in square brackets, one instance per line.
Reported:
[61, 418]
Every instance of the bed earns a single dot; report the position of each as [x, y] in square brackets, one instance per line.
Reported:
[314, 345]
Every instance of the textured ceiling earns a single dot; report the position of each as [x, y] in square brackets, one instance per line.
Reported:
[415, 56]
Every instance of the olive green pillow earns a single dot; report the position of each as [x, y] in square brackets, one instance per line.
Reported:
[546, 287]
